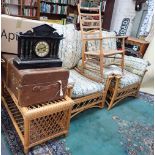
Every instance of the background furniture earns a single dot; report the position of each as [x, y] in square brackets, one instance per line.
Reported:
[63, 12]
[141, 46]
[39, 123]
[22, 8]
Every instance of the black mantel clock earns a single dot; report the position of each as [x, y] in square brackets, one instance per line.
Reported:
[38, 48]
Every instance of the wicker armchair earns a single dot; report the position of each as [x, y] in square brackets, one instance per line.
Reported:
[86, 93]
[123, 84]
[129, 83]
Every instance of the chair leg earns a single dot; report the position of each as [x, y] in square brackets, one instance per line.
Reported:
[115, 92]
[83, 55]
[122, 64]
[101, 67]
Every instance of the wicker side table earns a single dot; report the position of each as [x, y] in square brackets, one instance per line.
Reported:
[39, 123]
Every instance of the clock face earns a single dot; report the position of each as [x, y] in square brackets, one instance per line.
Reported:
[42, 49]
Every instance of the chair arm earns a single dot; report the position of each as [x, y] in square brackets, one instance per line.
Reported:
[69, 90]
[95, 38]
[119, 37]
[101, 38]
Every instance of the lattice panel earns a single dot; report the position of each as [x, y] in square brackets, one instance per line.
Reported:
[87, 102]
[46, 126]
[121, 94]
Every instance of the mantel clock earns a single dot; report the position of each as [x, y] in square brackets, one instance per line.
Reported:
[38, 48]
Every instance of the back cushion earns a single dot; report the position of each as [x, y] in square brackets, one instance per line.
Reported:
[109, 43]
[70, 47]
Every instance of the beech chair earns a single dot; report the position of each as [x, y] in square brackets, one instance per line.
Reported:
[91, 31]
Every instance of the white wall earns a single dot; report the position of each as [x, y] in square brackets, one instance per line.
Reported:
[148, 81]
[123, 9]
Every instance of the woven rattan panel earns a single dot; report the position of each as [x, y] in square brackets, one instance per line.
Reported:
[86, 102]
[46, 126]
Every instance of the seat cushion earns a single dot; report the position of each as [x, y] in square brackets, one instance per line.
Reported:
[95, 73]
[128, 78]
[83, 86]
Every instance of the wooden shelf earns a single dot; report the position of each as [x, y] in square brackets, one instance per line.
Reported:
[53, 3]
[29, 6]
[21, 9]
[12, 4]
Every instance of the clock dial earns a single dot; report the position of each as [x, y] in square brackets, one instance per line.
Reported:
[42, 49]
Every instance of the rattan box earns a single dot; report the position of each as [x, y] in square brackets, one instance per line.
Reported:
[39, 123]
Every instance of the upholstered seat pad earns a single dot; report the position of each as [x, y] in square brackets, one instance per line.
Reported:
[127, 78]
[83, 86]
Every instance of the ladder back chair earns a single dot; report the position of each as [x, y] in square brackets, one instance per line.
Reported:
[91, 31]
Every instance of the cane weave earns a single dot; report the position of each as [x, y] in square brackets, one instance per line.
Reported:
[38, 123]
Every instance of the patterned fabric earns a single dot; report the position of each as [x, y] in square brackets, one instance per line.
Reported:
[84, 86]
[70, 47]
[146, 25]
[135, 65]
[106, 43]
[107, 71]
[127, 79]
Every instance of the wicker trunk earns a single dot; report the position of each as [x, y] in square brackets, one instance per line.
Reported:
[38, 123]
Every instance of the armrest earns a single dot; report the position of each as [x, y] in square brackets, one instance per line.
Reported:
[135, 65]
[95, 38]
[70, 86]
[101, 38]
[119, 37]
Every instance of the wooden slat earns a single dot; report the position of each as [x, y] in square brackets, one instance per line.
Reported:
[112, 52]
[13, 121]
[91, 27]
[92, 21]
[86, 14]
[90, 8]
[93, 38]
[93, 53]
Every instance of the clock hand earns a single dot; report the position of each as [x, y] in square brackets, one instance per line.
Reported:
[42, 49]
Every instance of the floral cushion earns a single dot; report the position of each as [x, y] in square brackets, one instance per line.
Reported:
[109, 43]
[107, 71]
[127, 78]
[135, 65]
[83, 86]
[70, 47]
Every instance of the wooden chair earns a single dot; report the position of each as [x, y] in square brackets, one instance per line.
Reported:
[91, 30]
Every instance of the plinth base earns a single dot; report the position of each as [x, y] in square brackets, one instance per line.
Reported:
[29, 64]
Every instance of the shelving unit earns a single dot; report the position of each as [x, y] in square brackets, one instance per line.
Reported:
[63, 11]
[22, 8]
[58, 10]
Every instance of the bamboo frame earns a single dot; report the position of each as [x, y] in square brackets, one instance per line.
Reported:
[116, 94]
[39, 123]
